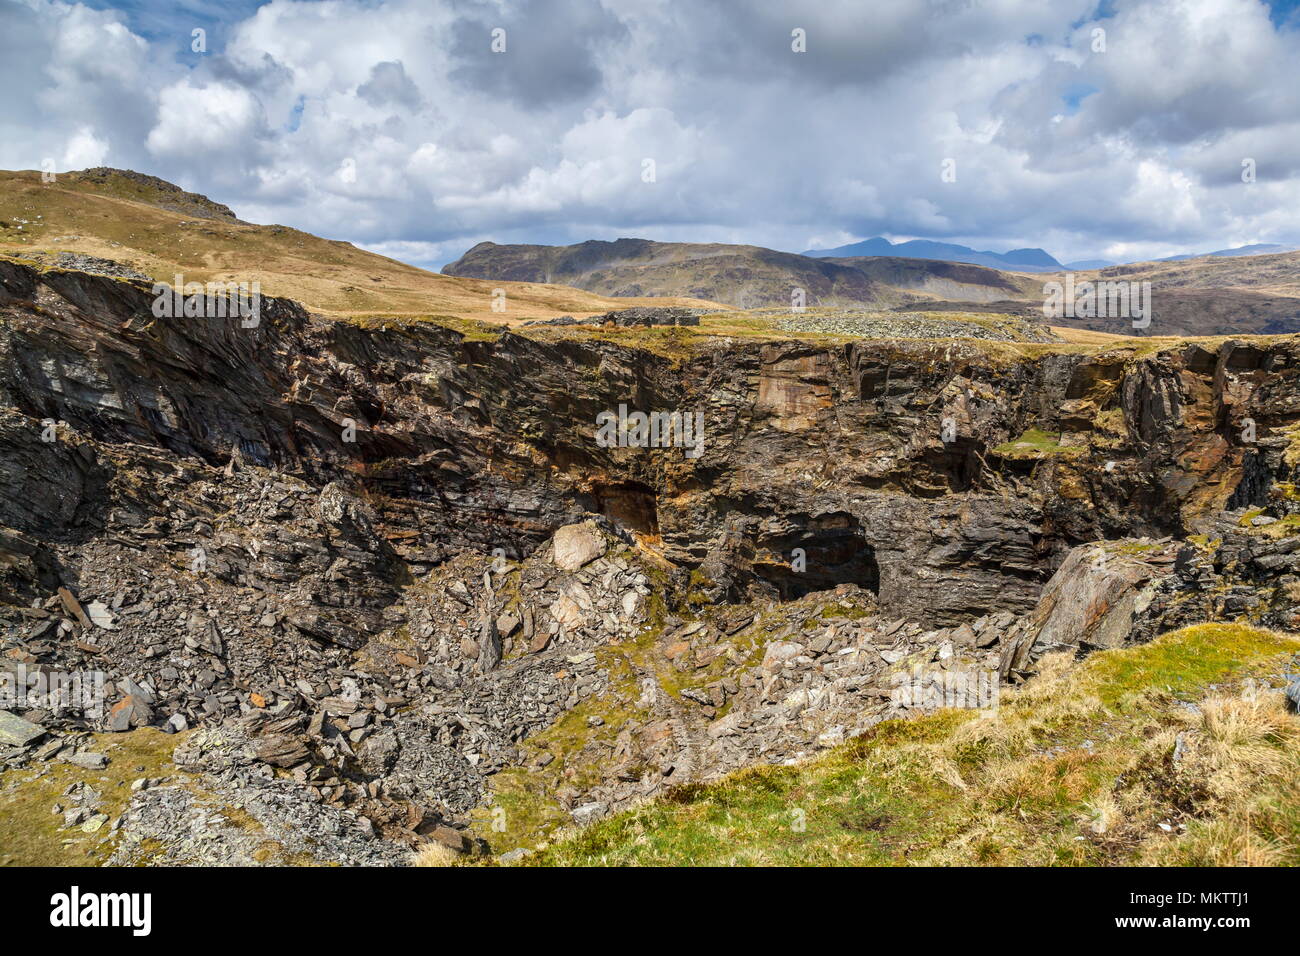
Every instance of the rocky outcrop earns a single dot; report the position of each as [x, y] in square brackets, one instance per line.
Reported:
[640, 317]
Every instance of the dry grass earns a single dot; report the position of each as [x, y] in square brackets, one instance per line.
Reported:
[435, 854]
[1087, 337]
[115, 220]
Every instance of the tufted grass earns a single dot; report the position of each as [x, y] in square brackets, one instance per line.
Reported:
[1076, 767]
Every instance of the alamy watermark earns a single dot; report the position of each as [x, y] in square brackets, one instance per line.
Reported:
[931, 689]
[214, 300]
[79, 692]
[74, 909]
[1111, 299]
[624, 429]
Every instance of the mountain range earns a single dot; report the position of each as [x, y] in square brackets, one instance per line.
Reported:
[1209, 295]
[160, 230]
[1017, 260]
[1022, 260]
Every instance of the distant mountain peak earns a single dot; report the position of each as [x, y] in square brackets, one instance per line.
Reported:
[1023, 260]
[1256, 249]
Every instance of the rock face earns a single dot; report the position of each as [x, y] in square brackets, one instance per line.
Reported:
[396, 564]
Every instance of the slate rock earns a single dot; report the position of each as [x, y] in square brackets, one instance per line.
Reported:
[17, 732]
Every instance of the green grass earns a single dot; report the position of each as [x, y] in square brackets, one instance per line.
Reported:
[1074, 768]
[1035, 444]
[32, 835]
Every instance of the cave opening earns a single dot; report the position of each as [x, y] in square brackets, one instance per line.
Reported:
[826, 552]
[1253, 489]
[630, 505]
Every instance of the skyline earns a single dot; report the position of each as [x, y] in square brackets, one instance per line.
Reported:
[396, 126]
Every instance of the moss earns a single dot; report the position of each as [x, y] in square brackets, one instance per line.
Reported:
[1283, 527]
[851, 612]
[1133, 548]
[1286, 490]
[1035, 444]
[32, 835]
[524, 807]
[1292, 452]
[1245, 520]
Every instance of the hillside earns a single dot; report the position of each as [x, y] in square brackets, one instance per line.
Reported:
[1254, 249]
[742, 276]
[1212, 295]
[1208, 295]
[160, 230]
[1178, 752]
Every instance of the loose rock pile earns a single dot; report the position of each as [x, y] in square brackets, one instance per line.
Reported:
[915, 325]
[640, 316]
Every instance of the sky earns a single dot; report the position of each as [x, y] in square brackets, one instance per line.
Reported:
[1121, 129]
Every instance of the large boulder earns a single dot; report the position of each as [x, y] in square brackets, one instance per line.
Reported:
[1091, 601]
[577, 544]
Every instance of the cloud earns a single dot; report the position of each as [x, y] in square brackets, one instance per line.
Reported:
[71, 74]
[533, 52]
[215, 129]
[1056, 140]
[390, 86]
[84, 150]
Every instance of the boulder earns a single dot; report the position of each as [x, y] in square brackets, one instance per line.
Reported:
[1089, 603]
[577, 544]
[281, 750]
[130, 711]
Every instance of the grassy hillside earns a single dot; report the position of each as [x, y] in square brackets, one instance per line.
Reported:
[744, 276]
[1277, 274]
[1211, 295]
[161, 231]
[1176, 752]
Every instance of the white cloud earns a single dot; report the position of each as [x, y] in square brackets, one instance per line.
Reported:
[1139, 146]
[85, 149]
[194, 119]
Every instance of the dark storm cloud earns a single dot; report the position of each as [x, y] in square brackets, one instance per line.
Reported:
[390, 86]
[548, 54]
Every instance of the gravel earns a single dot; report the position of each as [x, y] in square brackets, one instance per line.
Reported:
[914, 325]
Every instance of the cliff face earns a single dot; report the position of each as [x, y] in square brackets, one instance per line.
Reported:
[905, 455]
[344, 520]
